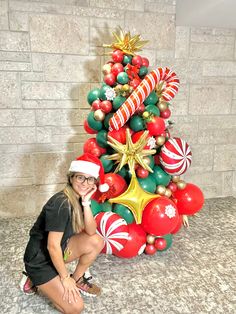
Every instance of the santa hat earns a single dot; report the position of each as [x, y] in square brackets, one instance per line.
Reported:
[91, 165]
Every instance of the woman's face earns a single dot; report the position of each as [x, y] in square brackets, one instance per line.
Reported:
[82, 183]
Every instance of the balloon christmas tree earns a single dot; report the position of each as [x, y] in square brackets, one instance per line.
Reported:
[129, 115]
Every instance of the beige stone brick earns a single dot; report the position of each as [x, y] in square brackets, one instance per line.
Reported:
[3, 15]
[234, 184]
[120, 5]
[179, 66]
[10, 90]
[227, 183]
[49, 91]
[18, 21]
[179, 105]
[45, 147]
[98, 12]
[186, 128]
[50, 104]
[211, 51]
[182, 42]
[209, 99]
[57, 117]
[159, 29]
[106, 23]
[234, 106]
[32, 76]
[6, 149]
[44, 134]
[216, 136]
[14, 66]
[66, 68]
[11, 182]
[217, 122]
[100, 36]
[219, 68]
[15, 166]
[39, 7]
[14, 41]
[47, 34]
[38, 62]
[17, 117]
[17, 135]
[203, 35]
[195, 72]
[14, 56]
[159, 6]
[225, 157]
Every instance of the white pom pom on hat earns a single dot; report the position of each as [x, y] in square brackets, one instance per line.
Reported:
[91, 165]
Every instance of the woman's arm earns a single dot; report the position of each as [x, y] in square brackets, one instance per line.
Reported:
[90, 224]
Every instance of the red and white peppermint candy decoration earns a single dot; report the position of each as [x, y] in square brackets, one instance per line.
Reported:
[113, 229]
[175, 156]
[128, 108]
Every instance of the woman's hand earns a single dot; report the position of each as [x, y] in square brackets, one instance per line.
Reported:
[71, 291]
[87, 197]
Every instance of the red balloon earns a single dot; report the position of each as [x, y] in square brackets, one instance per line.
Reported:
[137, 60]
[189, 200]
[117, 68]
[140, 109]
[141, 172]
[134, 83]
[117, 184]
[165, 114]
[106, 106]
[119, 135]
[110, 79]
[136, 136]
[160, 244]
[150, 249]
[88, 129]
[117, 55]
[179, 225]
[91, 146]
[135, 244]
[157, 159]
[156, 126]
[172, 186]
[145, 62]
[96, 104]
[160, 216]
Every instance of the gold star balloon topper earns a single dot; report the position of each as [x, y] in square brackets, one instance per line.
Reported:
[126, 43]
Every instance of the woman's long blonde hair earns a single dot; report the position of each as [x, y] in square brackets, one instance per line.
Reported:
[76, 210]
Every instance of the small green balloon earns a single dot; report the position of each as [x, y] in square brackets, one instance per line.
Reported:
[118, 101]
[101, 138]
[107, 164]
[96, 207]
[106, 120]
[136, 123]
[122, 172]
[152, 99]
[106, 207]
[94, 124]
[160, 176]
[148, 184]
[93, 95]
[152, 161]
[143, 71]
[122, 78]
[153, 110]
[103, 90]
[124, 212]
[127, 59]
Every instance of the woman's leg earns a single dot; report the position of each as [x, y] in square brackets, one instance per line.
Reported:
[54, 290]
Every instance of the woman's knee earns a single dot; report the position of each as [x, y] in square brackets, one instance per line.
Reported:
[75, 308]
[97, 242]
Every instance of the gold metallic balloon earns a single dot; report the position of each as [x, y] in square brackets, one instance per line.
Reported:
[106, 69]
[161, 189]
[146, 114]
[162, 106]
[150, 239]
[175, 178]
[135, 198]
[147, 161]
[126, 88]
[168, 192]
[99, 115]
[181, 184]
[160, 140]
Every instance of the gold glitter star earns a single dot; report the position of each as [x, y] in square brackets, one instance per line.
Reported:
[127, 43]
[130, 153]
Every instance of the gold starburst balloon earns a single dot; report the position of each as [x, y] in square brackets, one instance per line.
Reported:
[125, 42]
[130, 153]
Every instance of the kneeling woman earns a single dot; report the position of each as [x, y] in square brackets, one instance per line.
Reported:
[66, 231]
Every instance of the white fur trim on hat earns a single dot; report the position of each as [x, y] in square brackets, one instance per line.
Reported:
[85, 167]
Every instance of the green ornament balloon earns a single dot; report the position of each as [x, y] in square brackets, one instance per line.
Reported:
[106, 207]
[148, 184]
[122, 78]
[153, 110]
[124, 212]
[96, 207]
[160, 176]
[122, 172]
[93, 95]
[106, 120]
[94, 124]
[103, 90]
[107, 164]
[118, 101]
[127, 59]
[101, 138]
[152, 99]
[136, 123]
[151, 161]
[143, 71]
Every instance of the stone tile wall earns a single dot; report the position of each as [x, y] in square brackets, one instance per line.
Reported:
[51, 55]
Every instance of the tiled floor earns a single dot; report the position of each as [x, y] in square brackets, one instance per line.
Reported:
[196, 275]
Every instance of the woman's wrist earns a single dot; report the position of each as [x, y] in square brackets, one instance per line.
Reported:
[86, 203]
[63, 278]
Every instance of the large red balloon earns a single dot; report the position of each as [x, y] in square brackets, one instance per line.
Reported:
[136, 242]
[160, 216]
[119, 135]
[156, 126]
[179, 225]
[189, 200]
[91, 146]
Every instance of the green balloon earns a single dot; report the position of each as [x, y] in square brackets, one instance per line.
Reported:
[118, 101]
[106, 120]
[127, 59]
[122, 172]
[96, 207]
[103, 90]
[124, 212]
[93, 95]
[107, 164]
[106, 207]
[152, 99]
[122, 78]
[148, 184]
[160, 176]
[168, 238]
[152, 161]
[136, 123]
[94, 124]
[143, 71]
[101, 138]
[153, 110]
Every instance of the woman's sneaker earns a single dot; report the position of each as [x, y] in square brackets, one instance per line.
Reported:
[88, 288]
[26, 285]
